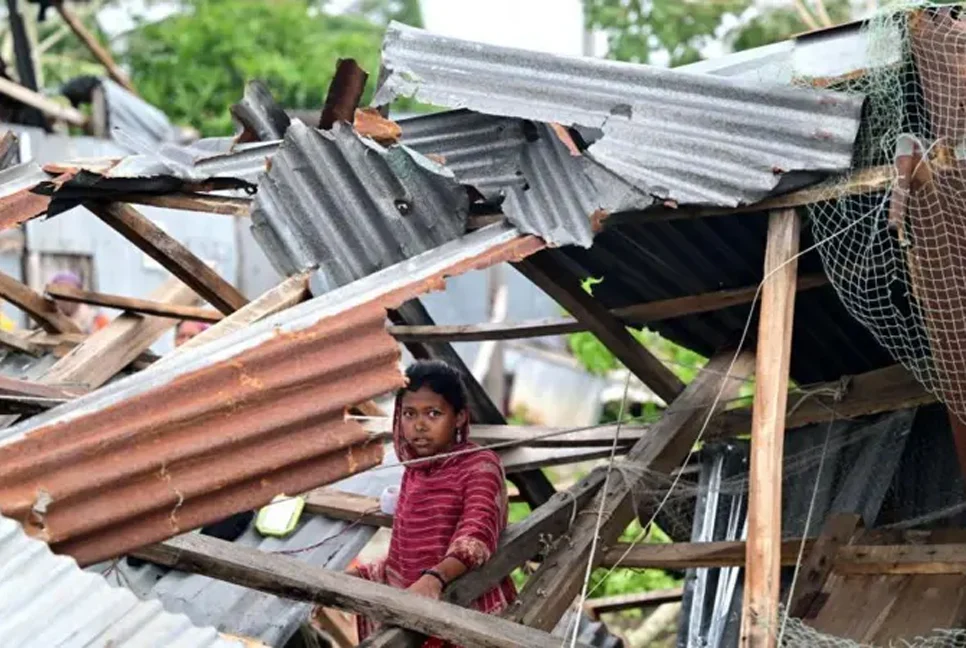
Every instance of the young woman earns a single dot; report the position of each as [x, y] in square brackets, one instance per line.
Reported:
[451, 509]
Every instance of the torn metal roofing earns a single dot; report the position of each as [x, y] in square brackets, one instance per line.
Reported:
[218, 441]
[260, 117]
[48, 601]
[695, 139]
[130, 114]
[318, 540]
[348, 206]
[481, 150]
[155, 454]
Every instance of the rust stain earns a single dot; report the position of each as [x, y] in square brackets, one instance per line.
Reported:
[29, 203]
[564, 136]
[369, 123]
[597, 220]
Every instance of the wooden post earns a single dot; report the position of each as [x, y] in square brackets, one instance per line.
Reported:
[763, 557]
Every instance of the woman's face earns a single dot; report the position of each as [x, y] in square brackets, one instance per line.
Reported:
[429, 423]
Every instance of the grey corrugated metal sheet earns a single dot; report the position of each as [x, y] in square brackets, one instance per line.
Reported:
[258, 113]
[481, 150]
[691, 138]
[242, 611]
[47, 601]
[858, 473]
[20, 176]
[345, 204]
[131, 115]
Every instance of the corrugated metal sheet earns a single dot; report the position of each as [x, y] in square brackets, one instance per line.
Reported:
[859, 465]
[215, 442]
[47, 601]
[318, 540]
[225, 427]
[691, 138]
[261, 118]
[650, 261]
[348, 206]
[481, 150]
[131, 115]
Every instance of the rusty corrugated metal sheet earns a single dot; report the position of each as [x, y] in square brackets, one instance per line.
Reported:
[227, 426]
[218, 441]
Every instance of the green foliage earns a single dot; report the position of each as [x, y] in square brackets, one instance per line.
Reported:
[637, 28]
[597, 359]
[194, 64]
[629, 581]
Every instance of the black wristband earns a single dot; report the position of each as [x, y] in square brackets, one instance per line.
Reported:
[435, 574]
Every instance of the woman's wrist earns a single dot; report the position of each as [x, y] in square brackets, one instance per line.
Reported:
[432, 573]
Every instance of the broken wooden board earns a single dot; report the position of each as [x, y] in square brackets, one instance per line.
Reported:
[294, 579]
[42, 310]
[134, 304]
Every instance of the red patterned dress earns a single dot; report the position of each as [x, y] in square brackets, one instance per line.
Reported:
[451, 507]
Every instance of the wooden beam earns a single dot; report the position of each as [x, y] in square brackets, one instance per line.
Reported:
[555, 585]
[171, 254]
[45, 105]
[18, 343]
[95, 48]
[519, 543]
[863, 181]
[42, 310]
[678, 556]
[106, 352]
[547, 271]
[196, 202]
[295, 579]
[346, 506]
[838, 531]
[134, 305]
[290, 292]
[763, 560]
[596, 607]
[901, 559]
[638, 314]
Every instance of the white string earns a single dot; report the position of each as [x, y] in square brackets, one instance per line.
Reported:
[600, 515]
[808, 524]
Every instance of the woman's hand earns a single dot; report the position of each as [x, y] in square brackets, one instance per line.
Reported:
[428, 586]
[353, 570]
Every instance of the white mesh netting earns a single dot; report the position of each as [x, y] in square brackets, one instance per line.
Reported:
[896, 253]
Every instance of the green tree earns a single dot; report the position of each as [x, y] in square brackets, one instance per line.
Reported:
[194, 64]
[636, 29]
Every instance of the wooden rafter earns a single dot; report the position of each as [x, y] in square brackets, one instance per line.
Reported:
[171, 254]
[554, 586]
[134, 305]
[763, 562]
[546, 270]
[99, 357]
[42, 310]
[92, 44]
[295, 579]
[45, 105]
[196, 202]
[596, 607]
[638, 314]
[839, 530]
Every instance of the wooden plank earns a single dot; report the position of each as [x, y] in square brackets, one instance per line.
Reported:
[295, 579]
[346, 506]
[857, 606]
[134, 305]
[925, 604]
[604, 605]
[518, 460]
[171, 254]
[106, 352]
[519, 543]
[92, 44]
[557, 582]
[638, 314]
[839, 530]
[196, 202]
[547, 270]
[860, 182]
[42, 310]
[18, 343]
[47, 106]
[901, 559]
[290, 292]
[532, 436]
[763, 561]
[688, 555]
[338, 625]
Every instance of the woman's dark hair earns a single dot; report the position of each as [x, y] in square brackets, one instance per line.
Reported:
[441, 378]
